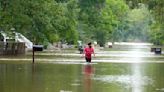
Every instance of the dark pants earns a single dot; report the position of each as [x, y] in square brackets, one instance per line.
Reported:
[88, 59]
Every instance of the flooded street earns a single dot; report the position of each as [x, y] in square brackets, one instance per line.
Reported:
[121, 69]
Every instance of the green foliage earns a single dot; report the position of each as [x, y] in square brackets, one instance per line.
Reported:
[156, 8]
[113, 16]
[156, 34]
[138, 24]
[48, 21]
[70, 33]
[40, 20]
[98, 20]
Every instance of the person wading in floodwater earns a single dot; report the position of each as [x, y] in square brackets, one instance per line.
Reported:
[88, 51]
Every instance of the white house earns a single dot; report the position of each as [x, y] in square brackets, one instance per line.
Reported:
[18, 38]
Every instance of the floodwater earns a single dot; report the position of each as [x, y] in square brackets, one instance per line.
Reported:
[127, 69]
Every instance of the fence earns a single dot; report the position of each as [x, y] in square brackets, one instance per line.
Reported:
[12, 48]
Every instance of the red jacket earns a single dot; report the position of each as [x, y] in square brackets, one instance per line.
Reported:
[88, 52]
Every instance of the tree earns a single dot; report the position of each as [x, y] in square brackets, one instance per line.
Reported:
[89, 18]
[114, 13]
[138, 23]
[156, 8]
[70, 30]
[98, 19]
[156, 34]
[42, 21]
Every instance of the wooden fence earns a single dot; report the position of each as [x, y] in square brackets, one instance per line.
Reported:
[12, 48]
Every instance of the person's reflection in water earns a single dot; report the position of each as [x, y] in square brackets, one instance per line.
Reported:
[88, 73]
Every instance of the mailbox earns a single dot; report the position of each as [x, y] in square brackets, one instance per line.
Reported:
[37, 47]
[158, 50]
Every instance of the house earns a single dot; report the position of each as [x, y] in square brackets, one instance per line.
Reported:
[14, 43]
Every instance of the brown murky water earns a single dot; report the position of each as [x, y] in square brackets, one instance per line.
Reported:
[135, 70]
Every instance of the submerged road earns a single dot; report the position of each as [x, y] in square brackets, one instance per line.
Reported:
[123, 54]
[123, 69]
